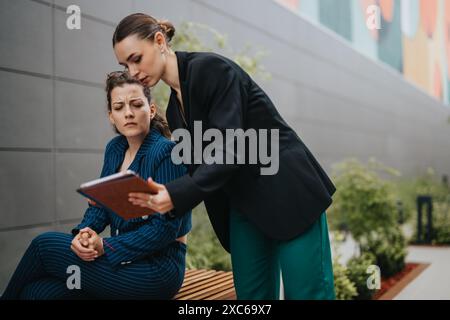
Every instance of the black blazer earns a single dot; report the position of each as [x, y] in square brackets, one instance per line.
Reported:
[216, 91]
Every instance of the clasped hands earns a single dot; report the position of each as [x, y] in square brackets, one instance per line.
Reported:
[87, 245]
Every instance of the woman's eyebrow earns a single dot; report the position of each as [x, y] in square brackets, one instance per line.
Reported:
[117, 102]
[136, 100]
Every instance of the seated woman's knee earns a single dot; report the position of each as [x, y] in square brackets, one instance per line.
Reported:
[45, 237]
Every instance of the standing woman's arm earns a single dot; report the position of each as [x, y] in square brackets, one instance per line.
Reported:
[222, 96]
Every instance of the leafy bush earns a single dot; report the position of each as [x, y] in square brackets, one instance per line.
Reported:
[389, 249]
[357, 273]
[345, 289]
[441, 223]
[363, 202]
[406, 193]
[204, 249]
[429, 184]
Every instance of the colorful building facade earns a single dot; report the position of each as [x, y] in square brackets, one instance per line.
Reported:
[414, 35]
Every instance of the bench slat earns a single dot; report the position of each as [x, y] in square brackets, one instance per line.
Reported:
[197, 282]
[202, 284]
[209, 291]
[229, 294]
[198, 277]
[192, 272]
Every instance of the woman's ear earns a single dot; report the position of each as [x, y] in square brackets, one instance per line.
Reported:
[160, 41]
[152, 110]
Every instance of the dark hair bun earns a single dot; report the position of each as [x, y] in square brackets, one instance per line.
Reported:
[168, 28]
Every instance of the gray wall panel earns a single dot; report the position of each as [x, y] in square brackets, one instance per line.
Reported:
[26, 116]
[84, 54]
[81, 116]
[72, 169]
[26, 29]
[173, 10]
[110, 11]
[26, 188]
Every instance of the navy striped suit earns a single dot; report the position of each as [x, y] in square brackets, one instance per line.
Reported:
[142, 258]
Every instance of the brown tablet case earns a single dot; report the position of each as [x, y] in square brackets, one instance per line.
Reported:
[111, 193]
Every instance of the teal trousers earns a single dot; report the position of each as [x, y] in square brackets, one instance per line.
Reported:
[304, 262]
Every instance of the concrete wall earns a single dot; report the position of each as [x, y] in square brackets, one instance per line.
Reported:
[53, 124]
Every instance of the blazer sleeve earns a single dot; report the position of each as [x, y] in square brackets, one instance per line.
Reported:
[155, 235]
[221, 94]
[95, 218]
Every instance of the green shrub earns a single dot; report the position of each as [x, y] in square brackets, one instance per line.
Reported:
[389, 248]
[363, 202]
[440, 233]
[366, 204]
[429, 184]
[441, 223]
[345, 289]
[406, 193]
[204, 249]
[357, 273]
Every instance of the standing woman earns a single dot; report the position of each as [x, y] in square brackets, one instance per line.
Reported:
[267, 222]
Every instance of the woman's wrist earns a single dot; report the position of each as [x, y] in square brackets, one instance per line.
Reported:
[101, 250]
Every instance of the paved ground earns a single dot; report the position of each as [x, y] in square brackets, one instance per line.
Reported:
[434, 282]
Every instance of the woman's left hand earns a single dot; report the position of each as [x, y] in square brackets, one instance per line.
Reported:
[159, 202]
[94, 240]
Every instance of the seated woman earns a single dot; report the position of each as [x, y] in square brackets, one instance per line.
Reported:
[145, 257]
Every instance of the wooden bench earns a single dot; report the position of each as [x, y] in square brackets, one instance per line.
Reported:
[201, 284]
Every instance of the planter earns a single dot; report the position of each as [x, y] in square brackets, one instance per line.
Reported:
[392, 286]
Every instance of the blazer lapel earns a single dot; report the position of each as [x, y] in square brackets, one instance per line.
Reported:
[182, 61]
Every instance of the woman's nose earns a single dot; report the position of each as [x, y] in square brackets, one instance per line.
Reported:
[133, 71]
[128, 112]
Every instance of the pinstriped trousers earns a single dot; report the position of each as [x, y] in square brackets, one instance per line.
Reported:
[43, 272]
